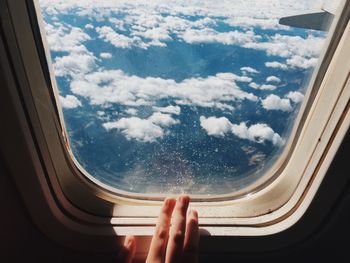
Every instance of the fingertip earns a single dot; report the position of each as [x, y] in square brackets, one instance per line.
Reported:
[183, 201]
[130, 242]
[128, 251]
[169, 204]
[184, 198]
[193, 214]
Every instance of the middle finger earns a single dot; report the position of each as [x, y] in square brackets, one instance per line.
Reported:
[177, 232]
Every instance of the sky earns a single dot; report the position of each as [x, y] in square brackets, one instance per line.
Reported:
[146, 74]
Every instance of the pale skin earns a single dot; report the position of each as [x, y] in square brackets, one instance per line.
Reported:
[174, 241]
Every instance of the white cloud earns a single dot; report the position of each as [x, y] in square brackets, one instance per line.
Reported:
[273, 79]
[249, 70]
[255, 9]
[143, 130]
[114, 86]
[157, 22]
[252, 22]
[118, 40]
[106, 55]
[101, 113]
[169, 109]
[275, 64]
[299, 52]
[273, 102]
[258, 133]
[295, 96]
[207, 35]
[131, 111]
[157, 34]
[233, 77]
[117, 23]
[162, 119]
[70, 102]
[89, 26]
[215, 126]
[262, 87]
[66, 38]
[289, 46]
[302, 62]
[74, 64]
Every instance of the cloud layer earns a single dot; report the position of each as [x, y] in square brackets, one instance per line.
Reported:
[116, 87]
[141, 25]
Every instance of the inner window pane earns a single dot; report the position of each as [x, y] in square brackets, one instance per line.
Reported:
[190, 96]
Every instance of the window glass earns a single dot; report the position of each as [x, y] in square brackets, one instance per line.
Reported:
[191, 96]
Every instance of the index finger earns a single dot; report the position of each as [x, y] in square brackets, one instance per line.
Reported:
[160, 237]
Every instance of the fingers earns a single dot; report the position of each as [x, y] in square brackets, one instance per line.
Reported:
[177, 232]
[160, 237]
[191, 243]
[127, 253]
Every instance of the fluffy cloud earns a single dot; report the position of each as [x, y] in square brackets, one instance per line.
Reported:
[117, 23]
[143, 130]
[101, 113]
[70, 102]
[289, 46]
[65, 38]
[74, 64]
[105, 55]
[115, 86]
[295, 96]
[70, 40]
[253, 85]
[207, 35]
[131, 111]
[118, 40]
[155, 23]
[299, 52]
[273, 79]
[252, 22]
[169, 109]
[258, 133]
[274, 102]
[256, 10]
[215, 126]
[302, 62]
[89, 26]
[249, 70]
[277, 65]
[162, 119]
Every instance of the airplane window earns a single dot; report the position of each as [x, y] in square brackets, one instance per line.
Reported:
[182, 96]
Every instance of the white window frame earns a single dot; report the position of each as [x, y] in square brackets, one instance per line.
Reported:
[69, 206]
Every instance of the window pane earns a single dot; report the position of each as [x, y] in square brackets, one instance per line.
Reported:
[188, 96]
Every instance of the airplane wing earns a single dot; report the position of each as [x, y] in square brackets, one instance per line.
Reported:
[316, 21]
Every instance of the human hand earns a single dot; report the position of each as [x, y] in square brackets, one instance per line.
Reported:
[177, 243]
